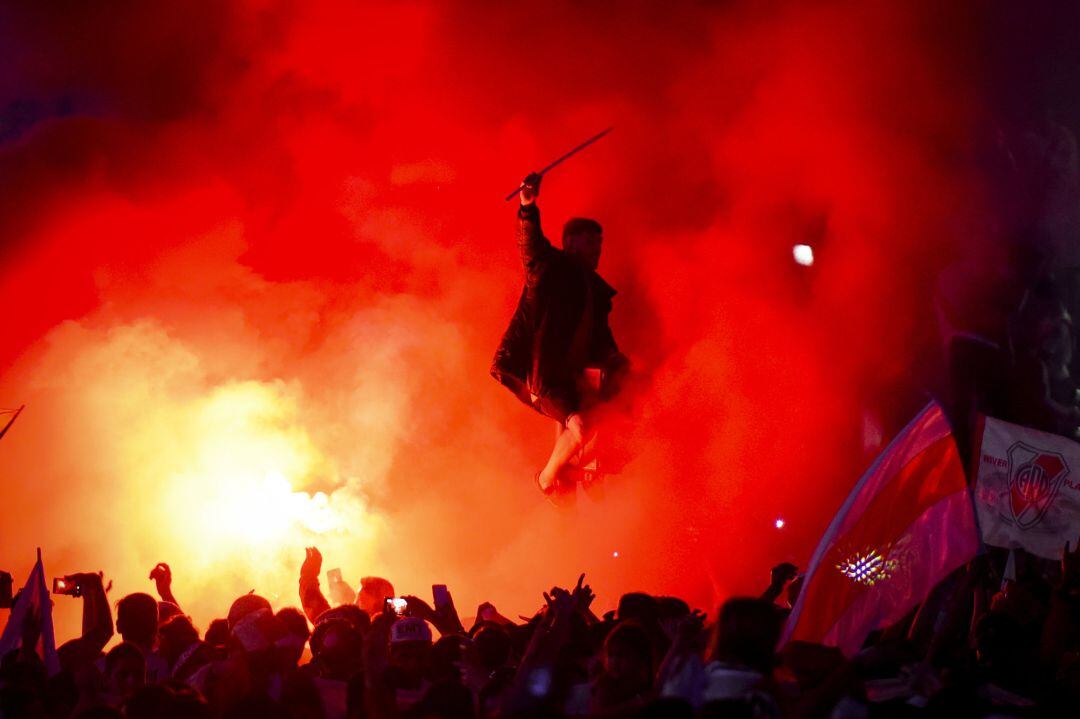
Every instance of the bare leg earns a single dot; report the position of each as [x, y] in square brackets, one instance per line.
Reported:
[568, 442]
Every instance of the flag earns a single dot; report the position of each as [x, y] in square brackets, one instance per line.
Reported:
[7, 418]
[35, 605]
[1027, 487]
[908, 523]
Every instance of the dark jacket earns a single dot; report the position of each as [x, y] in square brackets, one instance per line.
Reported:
[560, 326]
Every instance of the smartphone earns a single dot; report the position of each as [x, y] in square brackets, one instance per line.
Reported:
[333, 576]
[441, 595]
[64, 585]
[396, 605]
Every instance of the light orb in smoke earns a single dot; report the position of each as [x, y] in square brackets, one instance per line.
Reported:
[258, 510]
[803, 255]
[237, 493]
[779, 523]
[226, 479]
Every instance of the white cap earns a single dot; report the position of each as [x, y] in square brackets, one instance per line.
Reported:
[410, 629]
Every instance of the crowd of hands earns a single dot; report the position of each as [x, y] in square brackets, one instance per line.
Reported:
[978, 646]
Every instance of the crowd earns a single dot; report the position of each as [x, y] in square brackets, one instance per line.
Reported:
[978, 646]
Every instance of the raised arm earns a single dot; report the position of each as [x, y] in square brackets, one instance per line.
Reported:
[162, 576]
[533, 246]
[311, 597]
[97, 623]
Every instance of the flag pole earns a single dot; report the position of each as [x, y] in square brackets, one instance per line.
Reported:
[11, 421]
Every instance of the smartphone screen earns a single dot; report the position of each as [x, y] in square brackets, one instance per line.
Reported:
[396, 605]
[334, 575]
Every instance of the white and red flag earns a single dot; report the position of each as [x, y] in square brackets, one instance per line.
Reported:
[1027, 488]
[33, 608]
[908, 523]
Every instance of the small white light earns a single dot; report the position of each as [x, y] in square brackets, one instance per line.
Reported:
[779, 522]
[803, 255]
[615, 554]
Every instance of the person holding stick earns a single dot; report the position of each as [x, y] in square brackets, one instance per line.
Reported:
[559, 355]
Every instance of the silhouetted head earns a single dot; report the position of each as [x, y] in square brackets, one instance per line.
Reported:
[445, 657]
[351, 613]
[217, 634]
[175, 636]
[671, 611]
[125, 670]
[244, 606]
[337, 649]
[373, 592]
[295, 634]
[747, 633]
[638, 607]
[492, 646]
[293, 622]
[137, 619]
[628, 653]
[583, 238]
[410, 646]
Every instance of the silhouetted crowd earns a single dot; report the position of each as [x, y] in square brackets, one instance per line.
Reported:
[979, 646]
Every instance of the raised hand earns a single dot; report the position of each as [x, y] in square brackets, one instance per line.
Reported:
[487, 612]
[782, 574]
[447, 616]
[692, 624]
[530, 189]
[690, 631]
[445, 621]
[560, 603]
[312, 566]
[162, 576]
[87, 579]
[582, 595]
[417, 607]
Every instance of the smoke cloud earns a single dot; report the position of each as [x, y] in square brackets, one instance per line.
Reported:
[255, 264]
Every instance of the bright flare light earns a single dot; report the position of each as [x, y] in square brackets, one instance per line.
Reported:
[803, 255]
[237, 498]
[779, 522]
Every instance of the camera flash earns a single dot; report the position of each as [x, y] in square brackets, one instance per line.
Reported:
[779, 523]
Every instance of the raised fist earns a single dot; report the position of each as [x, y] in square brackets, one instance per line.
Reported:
[161, 574]
[530, 189]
